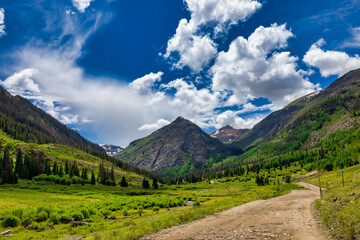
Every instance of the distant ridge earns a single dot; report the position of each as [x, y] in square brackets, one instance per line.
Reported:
[228, 134]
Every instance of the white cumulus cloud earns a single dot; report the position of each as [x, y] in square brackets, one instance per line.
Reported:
[254, 68]
[330, 62]
[22, 80]
[232, 119]
[196, 49]
[81, 5]
[154, 126]
[143, 85]
[2, 22]
[221, 11]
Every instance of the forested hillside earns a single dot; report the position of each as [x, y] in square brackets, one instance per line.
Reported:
[22, 120]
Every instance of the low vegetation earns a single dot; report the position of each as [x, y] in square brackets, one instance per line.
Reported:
[339, 209]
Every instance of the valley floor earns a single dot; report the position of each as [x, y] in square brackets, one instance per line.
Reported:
[285, 217]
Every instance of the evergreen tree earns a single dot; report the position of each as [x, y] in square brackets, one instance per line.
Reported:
[123, 182]
[112, 174]
[47, 167]
[55, 168]
[67, 169]
[92, 181]
[155, 183]
[7, 168]
[145, 184]
[19, 162]
[61, 170]
[25, 174]
[84, 174]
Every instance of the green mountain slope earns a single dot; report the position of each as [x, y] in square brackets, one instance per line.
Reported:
[175, 145]
[327, 123]
[341, 97]
[60, 154]
[20, 119]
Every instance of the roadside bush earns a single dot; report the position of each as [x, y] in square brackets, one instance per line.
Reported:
[10, 221]
[156, 208]
[41, 216]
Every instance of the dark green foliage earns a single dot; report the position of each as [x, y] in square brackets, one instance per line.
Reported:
[10, 221]
[55, 169]
[123, 182]
[145, 183]
[84, 174]
[41, 216]
[155, 183]
[92, 180]
[67, 168]
[78, 216]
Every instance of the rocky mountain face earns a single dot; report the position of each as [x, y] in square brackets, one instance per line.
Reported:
[22, 120]
[228, 134]
[111, 150]
[334, 107]
[171, 146]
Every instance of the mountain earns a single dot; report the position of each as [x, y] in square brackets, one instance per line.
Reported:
[228, 134]
[22, 120]
[111, 150]
[179, 144]
[341, 98]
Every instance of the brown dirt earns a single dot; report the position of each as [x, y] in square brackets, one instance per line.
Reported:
[285, 217]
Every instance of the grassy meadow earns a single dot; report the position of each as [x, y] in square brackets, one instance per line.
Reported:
[34, 210]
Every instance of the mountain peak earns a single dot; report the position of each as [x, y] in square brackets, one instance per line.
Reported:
[172, 146]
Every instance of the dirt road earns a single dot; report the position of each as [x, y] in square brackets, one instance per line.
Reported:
[285, 217]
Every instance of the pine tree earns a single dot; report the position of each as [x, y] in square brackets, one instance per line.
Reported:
[92, 181]
[7, 168]
[67, 167]
[112, 174]
[47, 168]
[61, 171]
[145, 184]
[155, 183]
[84, 174]
[19, 162]
[123, 182]
[55, 168]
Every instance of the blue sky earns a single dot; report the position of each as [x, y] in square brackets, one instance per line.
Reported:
[117, 70]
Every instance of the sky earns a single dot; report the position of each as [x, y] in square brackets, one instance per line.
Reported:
[117, 70]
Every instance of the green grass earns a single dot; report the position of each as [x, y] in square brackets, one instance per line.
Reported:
[27, 200]
[338, 210]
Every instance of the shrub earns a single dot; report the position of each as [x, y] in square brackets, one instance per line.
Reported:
[85, 213]
[125, 212]
[197, 204]
[68, 182]
[28, 217]
[287, 178]
[10, 221]
[54, 218]
[156, 208]
[78, 216]
[41, 216]
[64, 218]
